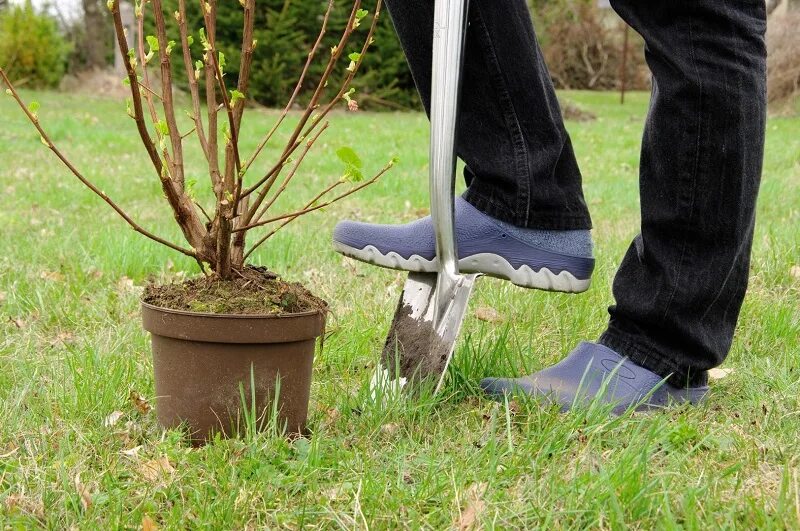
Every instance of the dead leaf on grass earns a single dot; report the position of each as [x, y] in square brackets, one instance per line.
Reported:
[54, 276]
[9, 453]
[148, 524]
[83, 492]
[489, 314]
[470, 515]
[25, 504]
[141, 404]
[795, 271]
[155, 469]
[718, 373]
[390, 429]
[131, 452]
[63, 338]
[112, 418]
[3, 296]
[19, 323]
[126, 285]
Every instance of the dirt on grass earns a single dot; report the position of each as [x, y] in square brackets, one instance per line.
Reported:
[252, 291]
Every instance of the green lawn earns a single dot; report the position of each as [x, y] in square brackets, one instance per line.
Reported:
[72, 350]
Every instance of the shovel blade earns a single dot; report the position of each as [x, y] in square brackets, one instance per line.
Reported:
[415, 349]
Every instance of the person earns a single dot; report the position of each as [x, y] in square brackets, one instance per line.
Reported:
[523, 217]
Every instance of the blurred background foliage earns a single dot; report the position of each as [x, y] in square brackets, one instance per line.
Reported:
[582, 44]
[32, 48]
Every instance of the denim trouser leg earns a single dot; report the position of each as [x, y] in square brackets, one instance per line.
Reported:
[520, 164]
[681, 284]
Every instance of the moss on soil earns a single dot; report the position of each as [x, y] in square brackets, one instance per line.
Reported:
[253, 291]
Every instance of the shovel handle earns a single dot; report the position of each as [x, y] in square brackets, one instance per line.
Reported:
[449, 31]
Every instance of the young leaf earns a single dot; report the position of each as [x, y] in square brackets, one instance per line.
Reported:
[349, 157]
[352, 174]
[221, 62]
[33, 107]
[355, 56]
[162, 128]
[236, 96]
[152, 42]
[204, 39]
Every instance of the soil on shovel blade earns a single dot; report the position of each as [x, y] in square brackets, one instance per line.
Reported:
[253, 291]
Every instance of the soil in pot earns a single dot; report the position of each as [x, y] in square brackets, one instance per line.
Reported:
[211, 338]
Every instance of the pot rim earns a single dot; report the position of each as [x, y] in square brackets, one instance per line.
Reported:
[233, 315]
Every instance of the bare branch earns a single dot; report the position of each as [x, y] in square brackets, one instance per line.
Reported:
[166, 95]
[311, 208]
[212, 53]
[307, 206]
[182, 207]
[189, 67]
[297, 88]
[292, 143]
[317, 207]
[288, 178]
[135, 94]
[49, 143]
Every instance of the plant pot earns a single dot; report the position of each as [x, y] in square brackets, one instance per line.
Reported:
[204, 364]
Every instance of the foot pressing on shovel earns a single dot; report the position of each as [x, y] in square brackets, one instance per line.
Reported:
[544, 259]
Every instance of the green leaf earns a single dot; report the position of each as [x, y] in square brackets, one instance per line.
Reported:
[33, 107]
[352, 174]
[355, 56]
[189, 187]
[204, 40]
[236, 96]
[221, 62]
[361, 13]
[152, 42]
[162, 128]
[170, 46]
[190, 40]
[349, 157]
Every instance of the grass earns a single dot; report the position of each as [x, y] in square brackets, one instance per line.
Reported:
[72, 350]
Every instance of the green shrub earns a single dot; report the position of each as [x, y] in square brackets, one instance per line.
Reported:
[285, 31]
[31, 48]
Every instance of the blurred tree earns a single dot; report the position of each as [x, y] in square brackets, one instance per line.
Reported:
[96, 42]
[285, 31]
[32, 50]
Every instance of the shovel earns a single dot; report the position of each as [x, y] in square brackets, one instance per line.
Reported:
[432, 306]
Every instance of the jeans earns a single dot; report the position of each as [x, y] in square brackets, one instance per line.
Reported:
[680, 286]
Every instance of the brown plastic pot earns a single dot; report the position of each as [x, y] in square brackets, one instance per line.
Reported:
[203, 361]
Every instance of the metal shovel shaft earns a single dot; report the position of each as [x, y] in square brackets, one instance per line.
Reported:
[432, 306]
[449, 23]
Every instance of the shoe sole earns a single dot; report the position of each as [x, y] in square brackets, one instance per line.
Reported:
[489, 264]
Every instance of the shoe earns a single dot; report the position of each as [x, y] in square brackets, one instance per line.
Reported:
[595, 372]
[484, 245]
